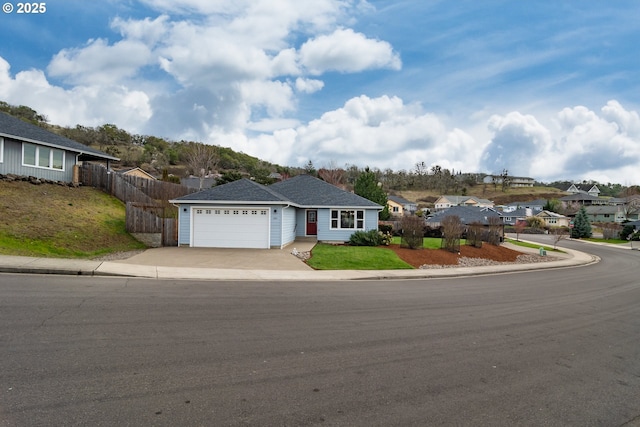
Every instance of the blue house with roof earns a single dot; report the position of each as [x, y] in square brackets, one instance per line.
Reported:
[246, 214]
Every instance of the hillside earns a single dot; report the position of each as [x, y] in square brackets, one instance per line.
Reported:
[427, 197]
[59, 221]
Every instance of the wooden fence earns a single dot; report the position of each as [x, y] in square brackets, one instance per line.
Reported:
[148, 210]
[152, 220]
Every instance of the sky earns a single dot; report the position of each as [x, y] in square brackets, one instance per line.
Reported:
[543, 89]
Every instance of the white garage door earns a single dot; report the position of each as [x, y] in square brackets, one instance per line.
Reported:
[230, 228]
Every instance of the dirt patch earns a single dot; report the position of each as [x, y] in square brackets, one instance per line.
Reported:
[419, 257]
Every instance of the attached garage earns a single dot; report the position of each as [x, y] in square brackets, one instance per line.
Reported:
[230, 227]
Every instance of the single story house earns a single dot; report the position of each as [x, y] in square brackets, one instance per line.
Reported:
[246, 214]
[552, 219]
[467, 214]
[445, 202]
[29, 150]
[606, 213]
[535, 205]
[399, 206]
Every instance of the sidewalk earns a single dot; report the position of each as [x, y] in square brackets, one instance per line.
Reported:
[18, 264]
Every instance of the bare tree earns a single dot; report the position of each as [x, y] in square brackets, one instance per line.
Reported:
[519, 227]
[202, 159]
[495, 230]
[333, 174]
[412, 232]
[559, 234]
[474, 234]
[451, 232]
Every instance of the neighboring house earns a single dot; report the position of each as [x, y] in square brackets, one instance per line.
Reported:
[467, 214]
[591, 189]
[534, 205]
[581, 199]
[514, 181]
[140, 173]
[399, 206]
[552, 219]
[516, 216]
[606, 213]
[246, 214]
[29, 150]
[445, 202]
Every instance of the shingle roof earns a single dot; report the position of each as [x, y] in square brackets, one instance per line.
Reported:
[401, 200]
[12, 127]
[302, 190]
[467, 214]
[306, 190]
[243, 190]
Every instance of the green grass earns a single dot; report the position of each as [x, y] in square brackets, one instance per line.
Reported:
[61, 222]
[532, 245]
[332, 257]
[612, 241]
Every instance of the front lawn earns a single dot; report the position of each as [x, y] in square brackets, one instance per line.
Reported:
[338, 257]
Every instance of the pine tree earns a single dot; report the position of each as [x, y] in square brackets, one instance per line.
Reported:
[581, 225]
[366, 185]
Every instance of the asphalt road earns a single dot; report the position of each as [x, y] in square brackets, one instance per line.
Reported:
[558, 347]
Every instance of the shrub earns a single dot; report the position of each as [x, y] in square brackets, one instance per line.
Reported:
[385, 228]
[366, 238]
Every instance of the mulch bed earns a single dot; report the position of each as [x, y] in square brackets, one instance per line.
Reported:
[419, 257]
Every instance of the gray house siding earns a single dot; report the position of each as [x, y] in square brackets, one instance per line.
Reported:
[12, 164]
[301, 220]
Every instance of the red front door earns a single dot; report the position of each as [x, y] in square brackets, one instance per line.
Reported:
[312, 223]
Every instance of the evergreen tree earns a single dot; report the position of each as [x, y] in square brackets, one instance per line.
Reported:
[581, 225]
[366, 185]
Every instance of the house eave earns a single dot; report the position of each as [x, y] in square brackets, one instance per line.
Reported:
[231, 202]
[60, 147]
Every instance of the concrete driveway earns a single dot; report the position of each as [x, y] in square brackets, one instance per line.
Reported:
[240, 259]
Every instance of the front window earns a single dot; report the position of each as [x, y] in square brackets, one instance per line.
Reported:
[347, 219]
[42, 157]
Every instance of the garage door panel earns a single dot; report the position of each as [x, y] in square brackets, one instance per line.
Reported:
[231, 228]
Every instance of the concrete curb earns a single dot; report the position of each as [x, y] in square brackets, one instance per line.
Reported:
[27, 265]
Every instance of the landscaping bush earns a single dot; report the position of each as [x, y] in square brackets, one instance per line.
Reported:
[385, 228]
[366, 238]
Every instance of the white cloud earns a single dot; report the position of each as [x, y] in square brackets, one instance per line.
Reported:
[347, 51]
[86, 105]
[100, 63]
[308, 85]
[379, 132]
[583, 146]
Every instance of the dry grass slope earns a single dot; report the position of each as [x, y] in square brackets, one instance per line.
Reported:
[52, 220]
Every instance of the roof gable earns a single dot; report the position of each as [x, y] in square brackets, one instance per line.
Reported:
[12, 127]
[243, 190]
[306, 190]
